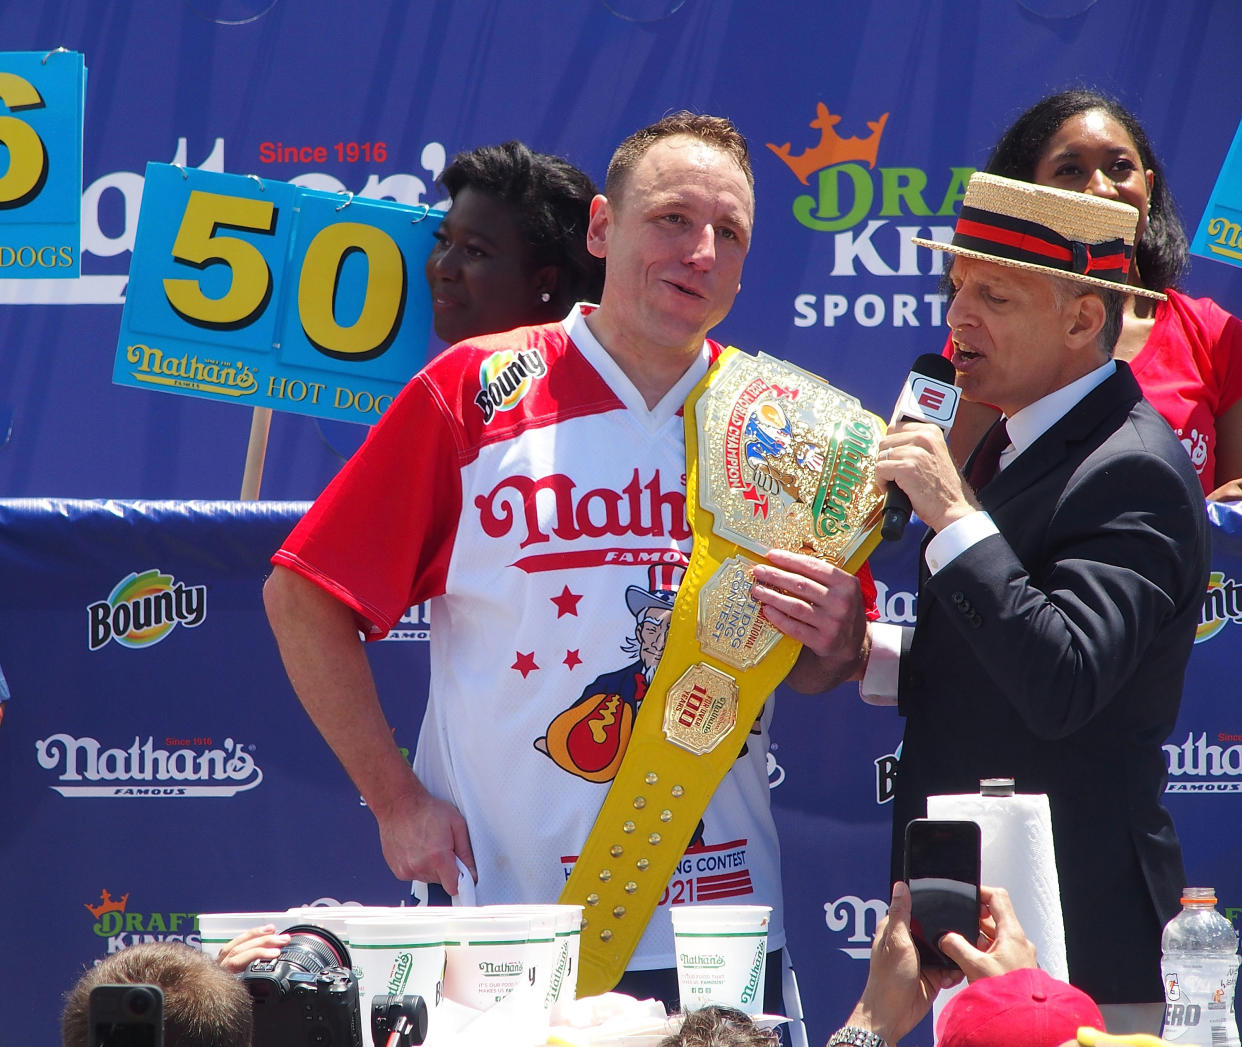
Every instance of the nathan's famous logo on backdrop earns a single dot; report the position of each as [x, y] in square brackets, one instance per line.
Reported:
[187, 767]
[123, 927]
[505, 378]
[1201, 766]
[144, 608]
[859, 918]
[1222, 604]
[871, 210]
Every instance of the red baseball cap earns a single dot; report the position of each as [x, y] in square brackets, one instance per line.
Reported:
[1025, 1008]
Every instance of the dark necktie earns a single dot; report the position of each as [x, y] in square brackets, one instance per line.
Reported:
[986, 463]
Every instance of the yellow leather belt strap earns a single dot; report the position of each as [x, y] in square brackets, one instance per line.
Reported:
[774, 457]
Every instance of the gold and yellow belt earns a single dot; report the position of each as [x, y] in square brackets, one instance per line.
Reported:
[775, 457]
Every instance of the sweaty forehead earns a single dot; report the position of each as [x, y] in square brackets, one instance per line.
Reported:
[682, 164]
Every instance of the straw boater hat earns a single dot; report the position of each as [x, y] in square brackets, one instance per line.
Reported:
[1054, 231]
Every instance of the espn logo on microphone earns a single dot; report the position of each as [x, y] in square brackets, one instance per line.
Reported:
[928, 400]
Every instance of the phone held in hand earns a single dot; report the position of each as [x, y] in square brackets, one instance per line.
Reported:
[942, 870]
[125, 1016]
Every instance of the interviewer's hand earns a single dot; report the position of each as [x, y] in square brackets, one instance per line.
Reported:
[1003, 946]
[899, 993]
[420, 835]
[258, 943]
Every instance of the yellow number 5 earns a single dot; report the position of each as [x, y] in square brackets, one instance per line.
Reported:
[27, 154]
[250, 285]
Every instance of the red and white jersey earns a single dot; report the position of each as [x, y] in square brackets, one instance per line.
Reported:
[522, 485]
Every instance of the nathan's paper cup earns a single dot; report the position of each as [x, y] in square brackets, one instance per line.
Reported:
[400, 954]
[217, 929]
[487, 958]
[722, 954]
[552, 949]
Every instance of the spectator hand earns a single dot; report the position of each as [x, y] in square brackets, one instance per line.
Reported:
[1002, 946]
[899, 993]
[258, 943]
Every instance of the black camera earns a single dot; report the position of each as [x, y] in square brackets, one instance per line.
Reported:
[308, 995]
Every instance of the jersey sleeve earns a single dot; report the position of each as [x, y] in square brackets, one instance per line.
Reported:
[380, 537]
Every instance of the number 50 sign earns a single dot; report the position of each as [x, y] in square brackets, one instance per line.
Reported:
[41, 102]
[263, 293]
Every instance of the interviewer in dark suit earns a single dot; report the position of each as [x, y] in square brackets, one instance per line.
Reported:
[1059, 601]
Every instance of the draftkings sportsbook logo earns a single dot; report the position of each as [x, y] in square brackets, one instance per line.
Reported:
[144, 608]
[122, 928]
[871, 211]
[85, 768]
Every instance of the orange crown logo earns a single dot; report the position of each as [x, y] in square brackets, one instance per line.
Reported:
[832, 148]
[106, 904]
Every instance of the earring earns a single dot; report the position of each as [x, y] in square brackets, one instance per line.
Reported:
[545, 297]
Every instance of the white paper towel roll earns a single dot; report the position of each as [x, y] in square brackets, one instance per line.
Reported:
[1017, 854]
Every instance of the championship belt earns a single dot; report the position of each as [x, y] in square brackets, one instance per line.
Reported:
[775, 458]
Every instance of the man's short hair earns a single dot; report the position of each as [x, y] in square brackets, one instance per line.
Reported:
[717, 131]
[204, 1005]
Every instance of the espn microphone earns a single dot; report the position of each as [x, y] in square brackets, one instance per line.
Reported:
[929, 396]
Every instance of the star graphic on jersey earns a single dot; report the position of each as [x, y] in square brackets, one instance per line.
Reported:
[566, 603]
[525, 663]
[572, 659]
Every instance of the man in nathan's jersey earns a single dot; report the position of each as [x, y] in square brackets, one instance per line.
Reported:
[526, 513]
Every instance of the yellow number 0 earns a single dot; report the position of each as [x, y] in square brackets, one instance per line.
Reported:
[197, 244]
[373, 331]
[27, 154]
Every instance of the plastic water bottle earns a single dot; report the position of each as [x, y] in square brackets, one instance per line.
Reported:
[1200, 966]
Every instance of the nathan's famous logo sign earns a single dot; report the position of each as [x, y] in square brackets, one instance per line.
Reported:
[871, 210]
[181, 767]
[1222, 604]
[123, 927]
[144, 608]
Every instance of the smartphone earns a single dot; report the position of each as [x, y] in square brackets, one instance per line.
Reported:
[125, 1016]
[942, 869]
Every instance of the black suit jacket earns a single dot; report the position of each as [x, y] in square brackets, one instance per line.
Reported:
[1055, 653]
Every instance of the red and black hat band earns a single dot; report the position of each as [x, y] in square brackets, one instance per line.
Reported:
[1021, 240]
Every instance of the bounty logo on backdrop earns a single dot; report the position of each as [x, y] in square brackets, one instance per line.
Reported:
[861, 203]
[1222, 604]
[123, 928]
[144, 608]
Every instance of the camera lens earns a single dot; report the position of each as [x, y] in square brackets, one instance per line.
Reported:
[311, 949]
[139, 1001]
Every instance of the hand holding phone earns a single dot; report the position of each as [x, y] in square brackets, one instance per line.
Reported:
[942, 869]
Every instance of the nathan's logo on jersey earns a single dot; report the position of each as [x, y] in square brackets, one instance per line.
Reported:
[1222, 604]
[144, 608]
[505, 377]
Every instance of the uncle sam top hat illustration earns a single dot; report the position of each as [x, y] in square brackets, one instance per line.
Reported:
[663, 580]
[1072, 235]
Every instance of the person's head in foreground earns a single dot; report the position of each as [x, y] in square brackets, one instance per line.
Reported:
[204, 1005]
[1023, 1008]
[1038, 287]
[511, 252]
[714, 1026]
